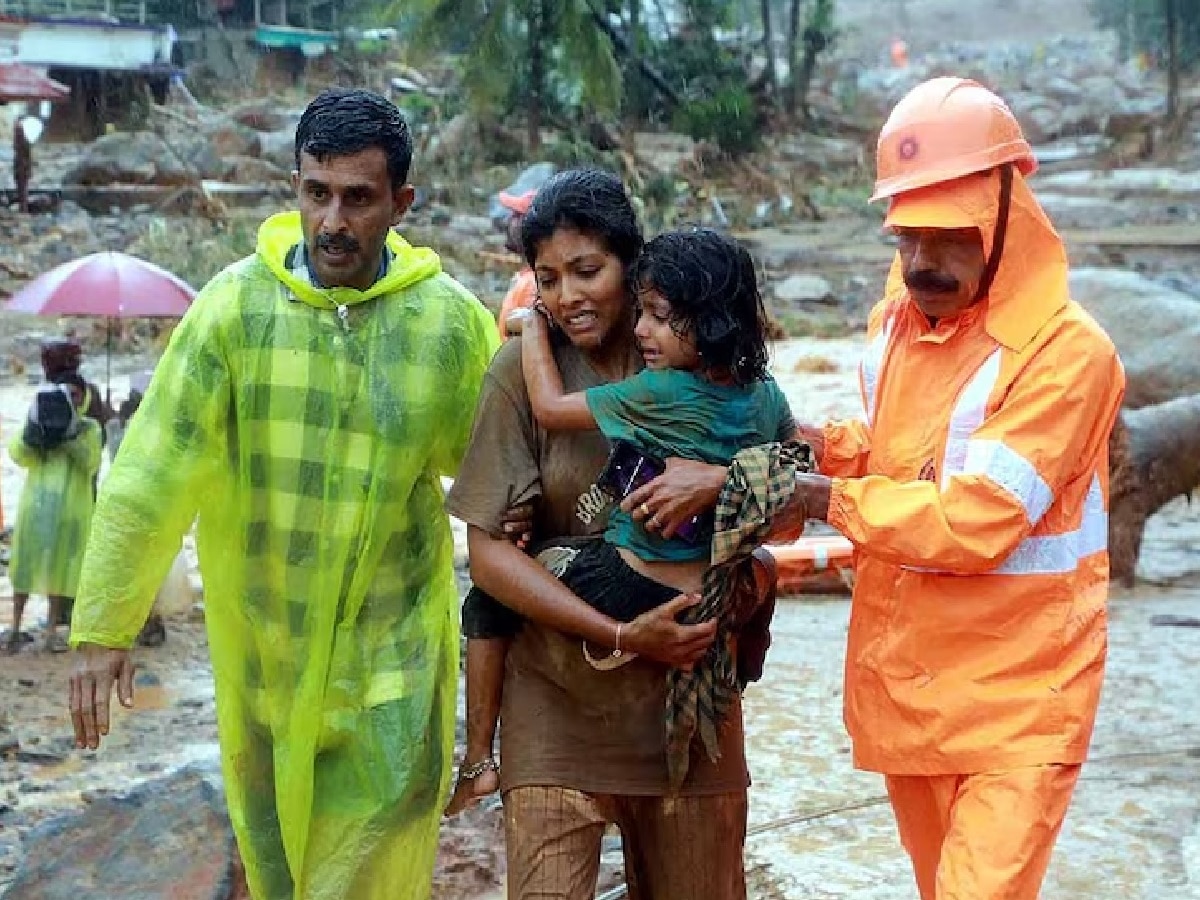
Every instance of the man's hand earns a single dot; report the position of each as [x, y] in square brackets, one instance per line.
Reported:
[656, 635]
[517, 524]
[812, 491]
[812, 435]
[96, 670]
[685, 490]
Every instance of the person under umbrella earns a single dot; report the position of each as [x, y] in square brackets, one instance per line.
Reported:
[60, 449]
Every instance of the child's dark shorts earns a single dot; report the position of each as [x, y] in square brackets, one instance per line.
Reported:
[592, 569]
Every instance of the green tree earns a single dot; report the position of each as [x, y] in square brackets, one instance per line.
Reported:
[526, 54]
[1142, 27]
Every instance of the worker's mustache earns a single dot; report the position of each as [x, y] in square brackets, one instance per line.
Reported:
[927, 281]
[338, 243]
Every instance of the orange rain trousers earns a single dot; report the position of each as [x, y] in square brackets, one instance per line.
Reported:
[982, 837]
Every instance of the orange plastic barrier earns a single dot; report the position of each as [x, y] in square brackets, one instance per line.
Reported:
[820, 564]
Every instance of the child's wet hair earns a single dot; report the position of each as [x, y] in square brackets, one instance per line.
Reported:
[590, 201]
[710, 283]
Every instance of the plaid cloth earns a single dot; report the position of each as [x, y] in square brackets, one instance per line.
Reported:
[761, 481]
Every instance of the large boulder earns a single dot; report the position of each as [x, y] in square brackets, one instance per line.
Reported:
[249, 170]
[168, 839]
[199, 153]
[1156, 331]
[264, 115]
[802, 289]
[228, 138]
[138, 157]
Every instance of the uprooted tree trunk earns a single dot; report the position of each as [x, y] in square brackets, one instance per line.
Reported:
[1155, 457]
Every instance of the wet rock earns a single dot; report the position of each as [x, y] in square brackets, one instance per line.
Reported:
[39, 757]
[167, 840]
[231, 139]
[1156, 331]
[472, 228]
[279, 147]
[198, 152]
[1041, 118]
[805, 289]
[262, 115]
[138, 157]
[458, 140]
[819, 153]
[251, 170]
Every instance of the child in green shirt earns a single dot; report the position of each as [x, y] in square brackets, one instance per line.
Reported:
[705, 394]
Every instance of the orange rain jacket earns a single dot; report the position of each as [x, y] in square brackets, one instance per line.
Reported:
[975, 492]
[522, 294]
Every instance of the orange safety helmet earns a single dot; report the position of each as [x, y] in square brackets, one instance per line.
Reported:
[944, 129]
[517, 203]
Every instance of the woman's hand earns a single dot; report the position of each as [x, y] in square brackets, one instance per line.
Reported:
[685, 490]
[657, 636]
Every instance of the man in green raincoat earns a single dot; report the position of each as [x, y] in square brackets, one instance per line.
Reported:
[305, 408]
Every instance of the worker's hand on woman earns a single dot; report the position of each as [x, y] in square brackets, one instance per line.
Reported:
[685, 490]
[97, 670]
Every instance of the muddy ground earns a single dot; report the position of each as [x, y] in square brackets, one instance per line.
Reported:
[818, 828]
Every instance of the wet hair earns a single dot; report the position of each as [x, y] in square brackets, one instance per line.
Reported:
[591, 201]
[345, 121]
[710, 283]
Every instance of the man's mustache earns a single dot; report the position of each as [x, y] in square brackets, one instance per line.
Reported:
[927, 281]
[338, 243]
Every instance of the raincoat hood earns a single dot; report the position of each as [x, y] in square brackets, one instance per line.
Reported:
[408, 265]
[1030, 285]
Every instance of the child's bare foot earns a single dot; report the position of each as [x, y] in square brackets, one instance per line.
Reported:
[475, 781]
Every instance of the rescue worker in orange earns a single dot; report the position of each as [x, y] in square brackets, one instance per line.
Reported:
[522, 291]
[975, 491]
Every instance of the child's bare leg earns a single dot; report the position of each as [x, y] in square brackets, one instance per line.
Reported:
[14, 638]
[485, 688]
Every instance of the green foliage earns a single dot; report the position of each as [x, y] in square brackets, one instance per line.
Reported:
[497, 37]
[728, 117]
[1142, 27]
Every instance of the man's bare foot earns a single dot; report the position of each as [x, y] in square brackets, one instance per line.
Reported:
[475, 781]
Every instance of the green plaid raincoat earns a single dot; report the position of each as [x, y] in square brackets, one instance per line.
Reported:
[309, 428]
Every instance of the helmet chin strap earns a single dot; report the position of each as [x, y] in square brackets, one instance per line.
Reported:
[993, 263]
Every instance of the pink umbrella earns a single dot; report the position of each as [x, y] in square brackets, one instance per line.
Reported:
[108, 284]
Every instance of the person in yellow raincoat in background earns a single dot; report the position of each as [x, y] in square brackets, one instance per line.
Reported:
[306, 408]
[975, 491]
[60, 449]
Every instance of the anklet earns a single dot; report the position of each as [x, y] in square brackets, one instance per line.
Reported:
[487, 764]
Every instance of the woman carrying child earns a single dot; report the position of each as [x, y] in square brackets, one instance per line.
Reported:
[583, 745]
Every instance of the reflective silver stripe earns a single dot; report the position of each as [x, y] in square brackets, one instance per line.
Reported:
[1054, 554]
[1013, 472]
[872, 362]
[968, 415]
[1060, 554]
